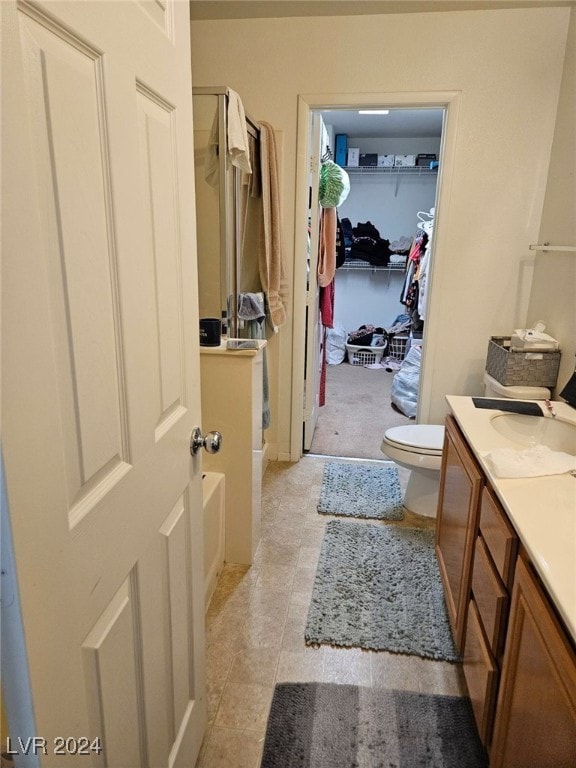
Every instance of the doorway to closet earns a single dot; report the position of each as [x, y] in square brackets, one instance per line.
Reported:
[391, 156]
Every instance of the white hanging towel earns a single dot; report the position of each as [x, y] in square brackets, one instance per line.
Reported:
[237, 134]
[236, 140]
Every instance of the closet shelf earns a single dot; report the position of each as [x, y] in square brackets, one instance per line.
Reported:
[410, 170]
[358, 265]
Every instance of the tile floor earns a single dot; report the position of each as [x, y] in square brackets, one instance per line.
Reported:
[256, 619]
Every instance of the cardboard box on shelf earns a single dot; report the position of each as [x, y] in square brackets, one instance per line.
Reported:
[341, 151]
[404, 161]
[385, 161]
[353, 156]
[368, 159]
[425, 159]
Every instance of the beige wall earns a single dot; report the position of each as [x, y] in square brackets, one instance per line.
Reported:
[553, 297]
[505, 69]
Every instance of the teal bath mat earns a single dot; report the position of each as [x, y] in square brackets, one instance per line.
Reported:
[378, 587]
[361, 490]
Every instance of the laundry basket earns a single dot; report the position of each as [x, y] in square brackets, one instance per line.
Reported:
[364, 355]
[397, 347]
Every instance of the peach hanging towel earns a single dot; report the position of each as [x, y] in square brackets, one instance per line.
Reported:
[270, 256]
[327, 246]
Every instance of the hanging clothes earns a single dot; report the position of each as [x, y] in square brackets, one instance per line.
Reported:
[251, 309]
[327, 294]
[237, 148]
[250, 216]
[414, 291]
[270, 256]
[409, 294]
[327, 246]
[423, 280]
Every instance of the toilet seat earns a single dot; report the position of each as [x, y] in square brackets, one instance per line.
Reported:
[424, 439]
[494, 387]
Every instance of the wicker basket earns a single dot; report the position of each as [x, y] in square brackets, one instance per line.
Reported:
[364, 355]
[397, 347]
[526, 369]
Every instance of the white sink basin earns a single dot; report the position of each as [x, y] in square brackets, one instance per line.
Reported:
[526, 431]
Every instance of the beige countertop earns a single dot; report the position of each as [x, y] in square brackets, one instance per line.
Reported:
[222, 350]
[541, 509]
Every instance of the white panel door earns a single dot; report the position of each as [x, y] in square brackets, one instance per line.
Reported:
[313, 354]
[100, 377]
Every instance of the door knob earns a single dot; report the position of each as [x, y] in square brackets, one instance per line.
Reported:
[211, 442]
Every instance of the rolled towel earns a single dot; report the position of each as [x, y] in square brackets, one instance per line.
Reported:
[537, 461]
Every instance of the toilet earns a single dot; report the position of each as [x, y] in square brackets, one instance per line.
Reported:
[418, 447]
[493, 388]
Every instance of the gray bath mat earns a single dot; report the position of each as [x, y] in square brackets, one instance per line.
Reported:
[323, 725]
[378, 587]
[361, 490]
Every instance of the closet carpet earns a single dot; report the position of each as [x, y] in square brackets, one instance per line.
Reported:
[357, 412]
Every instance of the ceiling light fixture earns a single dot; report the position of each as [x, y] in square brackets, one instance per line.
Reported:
[373, 111]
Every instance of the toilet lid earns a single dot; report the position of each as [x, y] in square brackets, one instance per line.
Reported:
[516, 392]
[424, 437]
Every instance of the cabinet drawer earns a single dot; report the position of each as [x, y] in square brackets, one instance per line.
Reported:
[490, 597]
[499, 536]
[481, 675]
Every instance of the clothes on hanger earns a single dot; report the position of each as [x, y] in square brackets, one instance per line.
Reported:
[414, 293]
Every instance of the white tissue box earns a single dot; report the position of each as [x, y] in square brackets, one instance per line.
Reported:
[522, 341]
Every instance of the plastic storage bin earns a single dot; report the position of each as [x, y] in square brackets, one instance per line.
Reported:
[364, 355]
[397, 347]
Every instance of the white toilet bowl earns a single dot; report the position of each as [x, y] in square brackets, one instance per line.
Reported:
[417, 447]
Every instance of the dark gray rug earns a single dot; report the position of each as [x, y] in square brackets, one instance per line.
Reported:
[378, 587]
[361, 490]
[323, 725]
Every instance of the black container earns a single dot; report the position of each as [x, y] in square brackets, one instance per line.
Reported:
[210, 331]
[369, 160]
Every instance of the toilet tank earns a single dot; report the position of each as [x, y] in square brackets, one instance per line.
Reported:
[493, 388]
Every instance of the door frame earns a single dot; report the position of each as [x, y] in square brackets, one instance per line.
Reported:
[313, 334]
[307, 103]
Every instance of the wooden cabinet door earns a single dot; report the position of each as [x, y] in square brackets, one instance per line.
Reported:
[481, 673]
[536, 710]
[457, 524]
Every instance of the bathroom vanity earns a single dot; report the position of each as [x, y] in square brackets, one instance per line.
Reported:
[507, 555]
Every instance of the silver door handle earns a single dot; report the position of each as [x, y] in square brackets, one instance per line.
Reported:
[212, 442]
